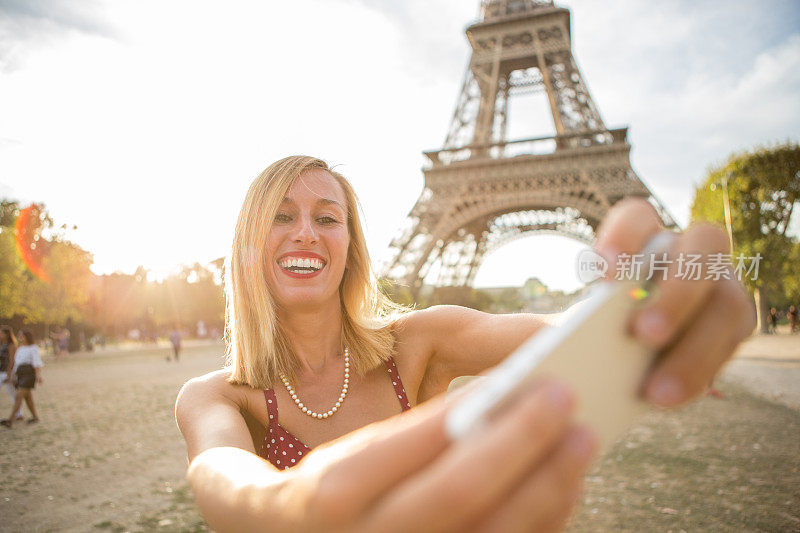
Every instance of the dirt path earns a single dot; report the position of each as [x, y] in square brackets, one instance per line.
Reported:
[107, 452]
[769, 365]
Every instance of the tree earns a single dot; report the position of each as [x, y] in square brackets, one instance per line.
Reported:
[509, 301]
[21, 245]
[481, 300]
[13, 277]
[43, 277]
[763, 187]
[65, 295]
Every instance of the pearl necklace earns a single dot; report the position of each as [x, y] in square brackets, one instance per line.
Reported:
[338, 404]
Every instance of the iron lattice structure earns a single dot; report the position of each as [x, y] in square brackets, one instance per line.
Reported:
[482, 190]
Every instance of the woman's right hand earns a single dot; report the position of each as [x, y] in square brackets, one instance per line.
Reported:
[522, 472]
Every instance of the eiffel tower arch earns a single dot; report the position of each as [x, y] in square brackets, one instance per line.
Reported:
[483, 190]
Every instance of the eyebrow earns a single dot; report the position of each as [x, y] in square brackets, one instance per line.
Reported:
[323, 201]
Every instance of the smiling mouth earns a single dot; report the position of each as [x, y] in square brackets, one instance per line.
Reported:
[301, 265]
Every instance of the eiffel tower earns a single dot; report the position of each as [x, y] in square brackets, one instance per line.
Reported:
[483, 190]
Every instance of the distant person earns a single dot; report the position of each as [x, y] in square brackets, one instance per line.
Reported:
[175, 339]
[773, 320]
[8, 347]
[28, 371]
[60, 342]
[793, 315]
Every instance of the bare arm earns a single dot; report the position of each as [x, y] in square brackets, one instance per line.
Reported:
[208, 416]
[231, 484]
[37, 365]
[676, 323]
[349, 485]
[463, 341]
[401, 474]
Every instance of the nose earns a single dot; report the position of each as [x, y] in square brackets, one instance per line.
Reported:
[305, 233]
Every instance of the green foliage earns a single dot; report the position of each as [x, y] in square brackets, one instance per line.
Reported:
[763, 188]
[481, 300]
[509, 300]
[13, 277]
[65, 296]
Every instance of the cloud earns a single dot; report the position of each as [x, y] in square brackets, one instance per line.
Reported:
[7, 191]
[27, 25]
[169, 119]
[694, 81]
[685, 131]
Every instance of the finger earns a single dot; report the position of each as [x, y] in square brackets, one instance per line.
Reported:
[545, 499]
[680, 294]
[627, 227]
[470, 477]
[691, 363]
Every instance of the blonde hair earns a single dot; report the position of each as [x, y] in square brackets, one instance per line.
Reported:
[258, 349]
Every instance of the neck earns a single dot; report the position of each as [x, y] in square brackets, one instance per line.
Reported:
[315, 335]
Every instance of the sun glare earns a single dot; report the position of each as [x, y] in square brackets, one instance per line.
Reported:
[26, 242]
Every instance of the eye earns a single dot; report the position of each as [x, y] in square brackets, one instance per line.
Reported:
[327, 220]
[282, 218]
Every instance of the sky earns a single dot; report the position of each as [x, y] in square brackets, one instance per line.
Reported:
[143, 122]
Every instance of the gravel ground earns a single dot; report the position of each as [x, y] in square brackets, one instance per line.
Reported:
[107, 455]
[769, 365]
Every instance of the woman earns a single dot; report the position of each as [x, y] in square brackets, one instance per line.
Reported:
[316, 352]
[28, 371]
[8, 347]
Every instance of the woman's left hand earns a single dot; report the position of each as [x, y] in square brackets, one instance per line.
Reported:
[696, 323]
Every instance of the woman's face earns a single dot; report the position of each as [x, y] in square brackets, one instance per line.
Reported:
[306, 248]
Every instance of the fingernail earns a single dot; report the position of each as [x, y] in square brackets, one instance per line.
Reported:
[559, 396]
[651, 328]
[665, 391]
[610, 255]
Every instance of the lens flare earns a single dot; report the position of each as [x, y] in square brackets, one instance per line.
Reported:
[26, 246]
[638, 293]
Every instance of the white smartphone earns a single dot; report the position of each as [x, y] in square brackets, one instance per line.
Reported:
[591, 351]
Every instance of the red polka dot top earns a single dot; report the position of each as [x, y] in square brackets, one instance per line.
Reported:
[283, 449]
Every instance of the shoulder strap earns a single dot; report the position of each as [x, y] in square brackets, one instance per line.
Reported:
[272, 404]
[397, 384]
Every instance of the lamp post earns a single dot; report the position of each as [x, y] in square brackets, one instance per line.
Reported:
[726, 205]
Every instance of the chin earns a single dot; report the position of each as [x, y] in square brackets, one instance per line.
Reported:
[304, 298]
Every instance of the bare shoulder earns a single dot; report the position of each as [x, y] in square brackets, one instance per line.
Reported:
[211, 388]
[209, 413]
[216, 381]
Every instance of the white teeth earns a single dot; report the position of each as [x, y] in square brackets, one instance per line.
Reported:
[301, 262]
